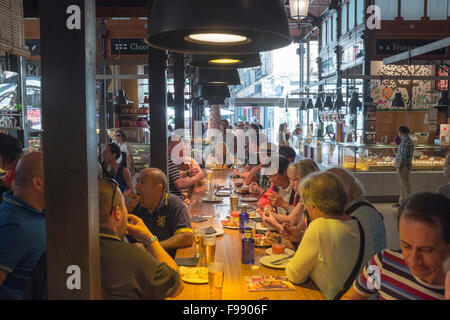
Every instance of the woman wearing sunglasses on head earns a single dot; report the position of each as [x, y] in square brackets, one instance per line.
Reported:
[121, 139]
[114, 170]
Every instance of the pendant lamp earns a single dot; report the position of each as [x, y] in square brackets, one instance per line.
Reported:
[211, 102]
[213, 92]
[303, 105]
[217, 77]
[339, 103]
[225, 61]
[328, 104]
[299, 9]
[170, 99]
[398, 101]
[217, 26]
[443, 100]
[354, 103]
[310, 104]
[319, 104]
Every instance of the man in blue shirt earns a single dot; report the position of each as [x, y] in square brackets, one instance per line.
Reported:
[22, 226]
[403, 163]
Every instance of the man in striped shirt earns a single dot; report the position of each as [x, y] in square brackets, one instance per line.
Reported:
[416, 271]
[176, 182]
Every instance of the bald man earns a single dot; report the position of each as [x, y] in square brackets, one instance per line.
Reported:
[22, 226]
[356, 206]
[164, 214]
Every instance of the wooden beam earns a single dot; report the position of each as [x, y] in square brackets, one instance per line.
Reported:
[70, 149]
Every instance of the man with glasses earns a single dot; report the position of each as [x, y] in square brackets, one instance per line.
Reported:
[127, 271]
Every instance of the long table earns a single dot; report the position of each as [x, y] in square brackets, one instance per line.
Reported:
[228, 251]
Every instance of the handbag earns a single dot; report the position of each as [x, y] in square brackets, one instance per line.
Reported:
[357, 266]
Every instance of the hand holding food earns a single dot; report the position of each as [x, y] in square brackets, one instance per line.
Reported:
[137, 229]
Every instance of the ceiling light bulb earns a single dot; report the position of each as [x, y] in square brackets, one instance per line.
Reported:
[217, 38]
[225, 61]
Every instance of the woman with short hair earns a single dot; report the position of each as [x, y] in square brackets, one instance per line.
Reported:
[330, 248]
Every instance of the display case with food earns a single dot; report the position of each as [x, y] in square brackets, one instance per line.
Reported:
[141, 155]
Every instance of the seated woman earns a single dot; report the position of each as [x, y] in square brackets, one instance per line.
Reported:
[114, 170]
[329, 252]
[296, 173]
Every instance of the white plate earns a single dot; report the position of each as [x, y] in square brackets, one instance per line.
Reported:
[266, 261]
[286, 251]
[191, 275]
[229, 227]
[248, 199]
[223, 194]
[219, 232]
[212, 200]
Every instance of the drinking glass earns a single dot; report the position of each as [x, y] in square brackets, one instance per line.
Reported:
[234, 201]
[215, 280]
[198, 242]
[209, 247]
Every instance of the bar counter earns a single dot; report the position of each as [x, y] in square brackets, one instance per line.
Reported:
[228, 251]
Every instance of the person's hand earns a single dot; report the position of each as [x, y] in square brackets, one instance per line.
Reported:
[254, 188]
[291, 233]
[269, 218]
[131, 200]
[137, 229]
[194, 171]
[277, 201]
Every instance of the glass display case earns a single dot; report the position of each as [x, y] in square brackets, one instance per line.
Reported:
[141, 155]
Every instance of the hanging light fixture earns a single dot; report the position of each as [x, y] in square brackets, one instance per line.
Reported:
[303, 105]
[225, 61]
[310, 104]
[397, 102]
[319, 104]
[354, 103]
[299, 9]
[213, 92]
[339, 103]
[218, 77]
[170, 99]
[217, 26]
[215, 101]
[328, 104]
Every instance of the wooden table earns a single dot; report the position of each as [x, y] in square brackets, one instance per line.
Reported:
[228, 251]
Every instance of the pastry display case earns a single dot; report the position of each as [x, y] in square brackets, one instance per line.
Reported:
[141, 155]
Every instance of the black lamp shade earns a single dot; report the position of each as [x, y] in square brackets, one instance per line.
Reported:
[319, 105]
[170, 99]
[303, 105]
[213, 61]
[213, 92]
[310, 104]
[217, 77]
[398, 101]
[215, 101]
[443, 100]
[328, 104]
[262, 24]
[339, 103]
[354, 103]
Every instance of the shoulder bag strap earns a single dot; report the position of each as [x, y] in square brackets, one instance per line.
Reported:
[360, 204]
[357, 266]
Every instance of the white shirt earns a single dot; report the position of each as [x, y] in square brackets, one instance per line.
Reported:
[327, 254]
[286, 195]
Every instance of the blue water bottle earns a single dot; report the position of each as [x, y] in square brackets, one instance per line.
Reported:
[243, 218]
[248, 247]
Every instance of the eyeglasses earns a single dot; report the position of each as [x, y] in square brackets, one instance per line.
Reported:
[118, 135]
[115, 185]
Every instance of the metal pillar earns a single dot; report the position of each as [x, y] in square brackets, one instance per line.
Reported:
[179, 90]
[68, 116]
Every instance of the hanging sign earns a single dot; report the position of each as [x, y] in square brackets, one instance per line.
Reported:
[395, 46]
[128, 46]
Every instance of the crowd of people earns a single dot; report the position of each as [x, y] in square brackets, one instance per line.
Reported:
[338, 236]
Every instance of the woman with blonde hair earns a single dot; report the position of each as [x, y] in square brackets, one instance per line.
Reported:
[333, 248]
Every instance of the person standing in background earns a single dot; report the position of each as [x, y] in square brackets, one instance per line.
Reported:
[403, 163]
[10, 153]
[121, 139]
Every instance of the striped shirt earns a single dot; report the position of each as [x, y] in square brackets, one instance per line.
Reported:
[388, 274]
[174, 175]
[405, 152]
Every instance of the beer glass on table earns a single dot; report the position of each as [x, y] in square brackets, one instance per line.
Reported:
[215, 280]
[209, 248]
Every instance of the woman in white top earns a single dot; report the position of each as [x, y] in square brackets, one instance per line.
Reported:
[121, 139]
[282, 135]
[329, 249]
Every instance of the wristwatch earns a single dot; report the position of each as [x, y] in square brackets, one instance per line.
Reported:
[149, 241]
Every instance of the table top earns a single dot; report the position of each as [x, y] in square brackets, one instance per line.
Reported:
[228, 251]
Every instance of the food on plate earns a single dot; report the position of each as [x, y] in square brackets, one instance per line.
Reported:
[243, 190]
[278, 248]
[262, 241]
[230, 223]
[195, 275]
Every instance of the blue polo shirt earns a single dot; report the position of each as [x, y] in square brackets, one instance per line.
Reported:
[170, 218]
[22, 242]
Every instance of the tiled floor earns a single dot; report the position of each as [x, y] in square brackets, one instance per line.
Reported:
[390, 222]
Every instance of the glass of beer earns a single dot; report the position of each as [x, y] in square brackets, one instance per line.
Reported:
[209, 176]
[234, 201]
[198, 243]
[215, 280]
[209, 249]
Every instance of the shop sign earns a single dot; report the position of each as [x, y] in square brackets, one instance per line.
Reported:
[34, 45]
[128, 46]
[395, 46]
[442, 85]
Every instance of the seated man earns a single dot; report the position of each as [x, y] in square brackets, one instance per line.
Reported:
[163, 213]
[22, 227]
[127, 271]
[357, 206]
[445, 189]
[176, 182]
[281, 196]
[414, 272]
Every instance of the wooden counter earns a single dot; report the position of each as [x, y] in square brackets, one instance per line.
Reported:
[228, 251]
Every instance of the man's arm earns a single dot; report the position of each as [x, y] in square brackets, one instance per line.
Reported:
[182, 183]
[252, 173]
[179, 240]
[352, 294]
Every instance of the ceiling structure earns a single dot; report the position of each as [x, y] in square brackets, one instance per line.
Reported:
[138, 8]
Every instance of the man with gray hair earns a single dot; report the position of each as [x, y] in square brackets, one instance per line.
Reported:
[357, 206]
[164, 214]
[22, 227]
